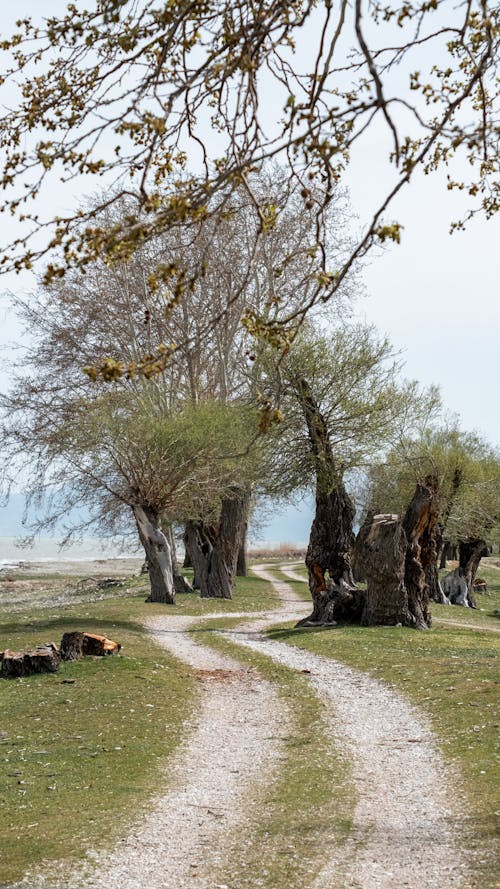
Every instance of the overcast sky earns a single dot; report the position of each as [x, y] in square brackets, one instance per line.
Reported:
[436, 295]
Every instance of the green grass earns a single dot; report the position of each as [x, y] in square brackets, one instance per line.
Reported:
[78, 760]
[451, 675]
[284, 842]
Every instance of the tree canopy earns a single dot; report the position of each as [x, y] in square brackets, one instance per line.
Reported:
[177, 104]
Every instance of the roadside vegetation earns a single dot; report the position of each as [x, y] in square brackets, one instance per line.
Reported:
[82, 750]
[285, 842]
[450, 673]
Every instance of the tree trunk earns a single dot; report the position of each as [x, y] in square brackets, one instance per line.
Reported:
[384, 560]
[417, 524]
[75, 645]
[328, 559]
[430, 547]
[214, 551]
[242, 562]
[180, 583]
[470, 553]
[45, 659]
[158, 555]
[395, 552]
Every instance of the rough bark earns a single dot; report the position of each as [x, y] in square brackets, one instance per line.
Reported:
[470, 553]
[158, 555]
[417, 524]
[214, 550]
[45, 659]
[328, 559]
[430, 547]
[384, 560]
[242, 561]
[75, 645]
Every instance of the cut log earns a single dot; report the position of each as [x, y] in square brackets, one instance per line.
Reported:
[76, 645]
[44, 659]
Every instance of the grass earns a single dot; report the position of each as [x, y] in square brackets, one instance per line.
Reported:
[451, 674]
[284, 841]
[79, 759]
[81, 750]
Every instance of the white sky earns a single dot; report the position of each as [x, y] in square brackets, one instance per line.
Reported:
[435, 295]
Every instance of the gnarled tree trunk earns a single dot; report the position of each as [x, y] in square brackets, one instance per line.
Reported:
[214, 551]
[384, 547]
[158, 555]
[418, 522]
[328, 559]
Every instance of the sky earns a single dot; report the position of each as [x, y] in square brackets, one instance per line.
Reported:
[436, 295]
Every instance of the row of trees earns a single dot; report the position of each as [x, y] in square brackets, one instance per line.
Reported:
[225, 423]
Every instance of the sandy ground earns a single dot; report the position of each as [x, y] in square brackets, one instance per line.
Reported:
[74, 568]
[58, 583]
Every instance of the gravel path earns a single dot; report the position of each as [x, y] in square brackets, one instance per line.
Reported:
[232, 751]
[406, 826]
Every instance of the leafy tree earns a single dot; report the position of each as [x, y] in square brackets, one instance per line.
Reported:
[170, 102]
[466, 471]
[343, 404]
[126, 459]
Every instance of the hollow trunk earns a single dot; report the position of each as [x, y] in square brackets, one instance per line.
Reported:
[396, 553]
[158, 555]
[328, 559]
[180, 583]
[470, 553]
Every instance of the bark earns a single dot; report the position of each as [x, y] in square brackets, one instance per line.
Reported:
[75, 645]
[328, 559]
[417, 524]
[384, 560]
[242, 561]
[396, 553]
[430, 547]
[45, 659]
[158, 555]
[181, 585]
[214, 550]
[470, 553]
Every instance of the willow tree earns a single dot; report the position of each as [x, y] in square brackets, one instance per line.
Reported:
[465, 469]
[125, 464]
[170, 103]
[343, 404]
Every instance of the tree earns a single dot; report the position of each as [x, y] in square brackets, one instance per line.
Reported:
[168, 101]
[466, 471]
[342, 405]
[115, 311]
[119, 458]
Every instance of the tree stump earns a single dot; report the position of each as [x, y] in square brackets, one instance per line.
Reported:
[44, 659]
[384, 556]
[76, 645]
